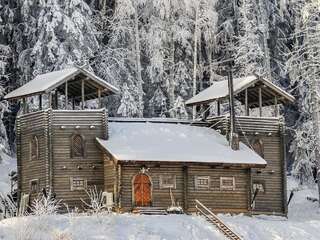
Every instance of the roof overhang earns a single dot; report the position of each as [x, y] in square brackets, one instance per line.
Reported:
[219, 91]
[46, 83]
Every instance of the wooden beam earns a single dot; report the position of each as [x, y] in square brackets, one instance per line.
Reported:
[40, 102]
[276, 107]
[66, 94]
[185, 188]
[82, 94]
[246, 102]
[219, 108]
[24, 107]
[50, 100]
[99, 98]
[260, 101]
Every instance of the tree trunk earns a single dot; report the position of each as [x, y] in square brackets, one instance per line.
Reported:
[138, 64]
[195, 56]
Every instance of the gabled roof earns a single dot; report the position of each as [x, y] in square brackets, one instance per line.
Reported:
[219, 90]
[47, 82]
[171, 142]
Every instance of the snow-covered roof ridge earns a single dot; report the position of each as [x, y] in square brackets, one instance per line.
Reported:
[165, 142]
[45, 83]
[219, 90]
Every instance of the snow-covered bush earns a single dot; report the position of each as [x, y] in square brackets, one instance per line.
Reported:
[96, 201]
[45, 205]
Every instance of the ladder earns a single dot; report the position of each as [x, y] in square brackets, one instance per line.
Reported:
[212, 218]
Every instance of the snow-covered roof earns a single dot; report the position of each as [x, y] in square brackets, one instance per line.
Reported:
[45, 83]
[169, 142]
[219, 90]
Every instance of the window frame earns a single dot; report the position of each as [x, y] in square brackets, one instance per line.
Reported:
[78, 188]
[34, 146]
[258, 146]
[83, 147]
[199, 186]
[31, 184]
[227, 188]
[163, 185]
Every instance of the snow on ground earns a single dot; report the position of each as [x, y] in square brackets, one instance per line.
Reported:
[7, 165]
[303, 223]
[303, 219]
[113, 227]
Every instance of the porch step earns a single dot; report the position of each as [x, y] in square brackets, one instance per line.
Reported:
[149, 211]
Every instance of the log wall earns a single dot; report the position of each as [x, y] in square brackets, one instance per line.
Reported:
[273, 177]
[185, 192]
[90, 124]
[29, 126]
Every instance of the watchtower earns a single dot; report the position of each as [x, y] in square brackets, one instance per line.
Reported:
[264, 134]
[56, 148]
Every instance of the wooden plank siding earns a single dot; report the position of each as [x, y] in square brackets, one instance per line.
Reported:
[270, 131]
[185, 193]
[28, 126]
[90, 124]
[215, 199]
[55, 167]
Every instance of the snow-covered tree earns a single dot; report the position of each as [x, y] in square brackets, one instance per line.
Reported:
[249, 54]
[158, 104]
[128, 106]
[304, 70]
[179, 109]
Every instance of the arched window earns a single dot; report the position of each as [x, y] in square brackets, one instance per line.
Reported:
[78, 146]
[34, 148]
[258, 146]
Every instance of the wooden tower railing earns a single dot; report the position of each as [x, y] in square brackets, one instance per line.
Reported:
[212, 218]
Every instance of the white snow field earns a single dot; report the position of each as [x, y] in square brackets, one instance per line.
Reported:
[111, 227]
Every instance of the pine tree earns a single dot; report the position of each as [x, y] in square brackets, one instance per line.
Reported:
[304, 71]
[128, 106]
[249, 54]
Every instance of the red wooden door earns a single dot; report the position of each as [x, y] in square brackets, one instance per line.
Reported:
[142, 190]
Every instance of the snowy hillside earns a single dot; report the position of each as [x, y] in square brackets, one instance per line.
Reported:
[303, 223]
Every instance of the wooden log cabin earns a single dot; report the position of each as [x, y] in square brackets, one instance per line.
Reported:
[66, 148]
[256, 97]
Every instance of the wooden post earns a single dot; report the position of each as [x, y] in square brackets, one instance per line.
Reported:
[24, 107]
[56, 99]
[50, 100]
[246, 102]
[73, 103]
[185, 188]
[276, 107]
[99, 98]
[219, 107]
[260, 101]
[40, 102]
[82, 94]
[66, 94]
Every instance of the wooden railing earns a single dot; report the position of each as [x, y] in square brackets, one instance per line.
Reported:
[213, 219]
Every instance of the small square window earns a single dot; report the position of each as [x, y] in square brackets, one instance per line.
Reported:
[167, 181]
[78, 183]
[34, 186]
[227, 184]
[202, 182]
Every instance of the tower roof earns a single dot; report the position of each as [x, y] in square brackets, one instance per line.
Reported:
[219, 90]
[47, 82]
